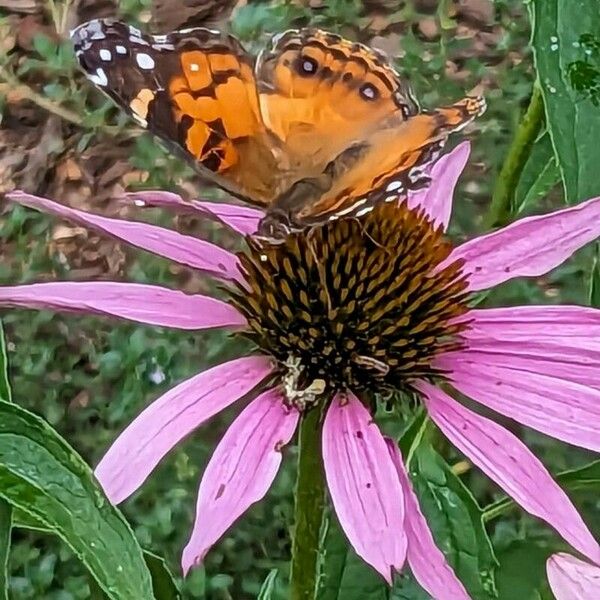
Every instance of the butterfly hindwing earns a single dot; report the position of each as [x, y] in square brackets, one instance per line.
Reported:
[384, 166]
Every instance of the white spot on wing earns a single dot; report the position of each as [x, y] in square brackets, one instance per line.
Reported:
[145, 61]
[138, 40]
[121, 49]
[364, 211]
[99, 77]
[351, 208]
[139, 120]
[105, 55]
[194, 67]
[393, 186]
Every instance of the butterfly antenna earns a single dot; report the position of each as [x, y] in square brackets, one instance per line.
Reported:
[310, 238]
[368, 235]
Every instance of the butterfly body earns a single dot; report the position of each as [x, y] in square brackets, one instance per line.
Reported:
[316, 127]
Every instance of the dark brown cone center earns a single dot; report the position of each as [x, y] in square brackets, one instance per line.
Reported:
[354, 304]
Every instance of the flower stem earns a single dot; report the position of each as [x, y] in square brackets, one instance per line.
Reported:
[500, 211]
[310, 506]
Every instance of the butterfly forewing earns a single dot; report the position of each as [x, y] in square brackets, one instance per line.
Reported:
[194, 88]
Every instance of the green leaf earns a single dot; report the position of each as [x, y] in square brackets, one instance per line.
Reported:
[586, 478]
[522, 571]
[594, 293]
[343, 575]
[5, 531]
[569, 73]
[582, 479]
[163, 582]
[539, 176]
[5, 508]
[44, 477]
[5, 393]
[455, 519]
[268, 587]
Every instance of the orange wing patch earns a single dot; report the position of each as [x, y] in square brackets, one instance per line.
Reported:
[319, 93]
[216, 105]
[390, 157]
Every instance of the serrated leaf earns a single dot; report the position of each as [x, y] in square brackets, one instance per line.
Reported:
[539, 176]
[569, 74]
[43, 476]
[456, 521]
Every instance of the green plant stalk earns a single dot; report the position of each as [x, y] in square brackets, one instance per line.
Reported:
[6, 512]
[500, 211]
[5, 534]
[309, 510]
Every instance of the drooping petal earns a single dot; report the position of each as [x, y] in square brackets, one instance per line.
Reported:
[506, 460]
[437, 198]
[552, 394]
[242, 219]
[363, 484]
[240, 471]
[573, 579]
[163, 424]
[183, 249]
[528, 247]
[561, 326]
[426, 560]
[139, 302]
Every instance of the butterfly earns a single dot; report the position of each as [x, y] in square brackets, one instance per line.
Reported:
[314, 128]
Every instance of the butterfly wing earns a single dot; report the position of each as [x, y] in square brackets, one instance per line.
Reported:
[193, 88]
[383, 167]
[320, 93]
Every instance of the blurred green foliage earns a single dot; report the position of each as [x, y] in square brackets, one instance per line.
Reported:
[89, 377]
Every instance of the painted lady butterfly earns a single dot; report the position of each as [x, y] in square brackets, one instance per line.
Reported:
[314, 128]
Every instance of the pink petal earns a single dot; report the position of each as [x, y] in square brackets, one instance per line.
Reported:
[143, 303]
[183, 249]
[552, 396]
[506, 460]
[426, 560]
[242, 219]
[363, 484]
[560, 326]
[437, 198]
[163, 424]
[529, 247]
[573, 579]
[240, 470]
